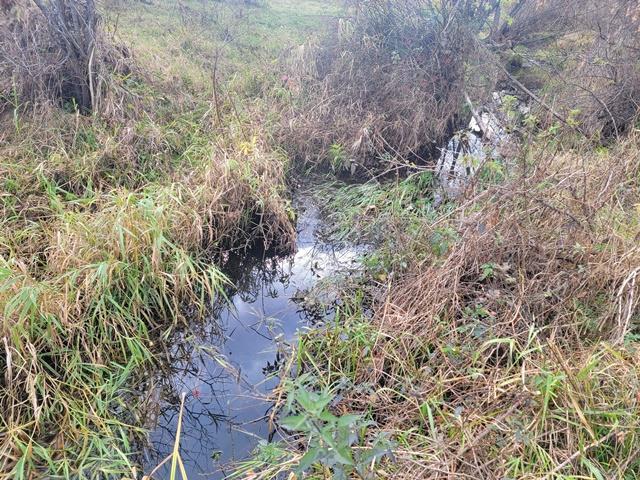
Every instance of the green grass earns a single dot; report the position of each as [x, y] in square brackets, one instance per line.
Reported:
[367, 212]
[481, 339]
[181, 45]
[80, 329]
[475, 362]
[110, 224]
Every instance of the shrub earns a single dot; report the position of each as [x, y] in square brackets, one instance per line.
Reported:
[394, 81]
[391, 78]
[54, 50]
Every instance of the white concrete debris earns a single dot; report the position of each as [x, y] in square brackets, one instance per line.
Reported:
[469, 149]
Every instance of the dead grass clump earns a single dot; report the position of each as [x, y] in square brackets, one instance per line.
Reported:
[562, 233]
[55, 51]
[512, 352]
[389, 80]
[523, 372]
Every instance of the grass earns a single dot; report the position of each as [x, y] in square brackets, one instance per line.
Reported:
[174, 456]
[185, 42]
[112, 223]
[505, 353]
[111, 277]
[367, 212]
[494, 337]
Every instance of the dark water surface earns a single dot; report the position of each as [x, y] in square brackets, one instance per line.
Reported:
[228, 365]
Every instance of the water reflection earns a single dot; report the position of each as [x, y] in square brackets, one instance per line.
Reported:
[229, 364]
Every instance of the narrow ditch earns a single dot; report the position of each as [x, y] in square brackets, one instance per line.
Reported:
[228, 365]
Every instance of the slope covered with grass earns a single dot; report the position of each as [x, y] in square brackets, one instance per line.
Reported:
[113, 225]
[498, 338]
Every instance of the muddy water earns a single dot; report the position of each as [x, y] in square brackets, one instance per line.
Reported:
[229, 365]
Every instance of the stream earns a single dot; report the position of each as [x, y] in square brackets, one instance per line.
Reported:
[229, 364]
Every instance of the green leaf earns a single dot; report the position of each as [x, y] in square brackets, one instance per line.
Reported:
[326, 433]
[322, 401]
[595, 471]
[308, 459]
[305, 400]
[295, 422]
[348, 420]
[327, 416]
[343, 455]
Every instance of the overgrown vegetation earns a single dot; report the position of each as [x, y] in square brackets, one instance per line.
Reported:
[393, 81]
[115, 216]
[494, 335]
[508, 349]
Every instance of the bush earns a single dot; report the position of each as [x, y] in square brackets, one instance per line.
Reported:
[389, 85]
[585, 55]
[389, 80]
[54, 50]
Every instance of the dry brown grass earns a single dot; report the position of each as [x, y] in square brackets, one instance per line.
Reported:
[541, 285]
[560, 233]
[514, 354]
[390, 80]
[388, 84]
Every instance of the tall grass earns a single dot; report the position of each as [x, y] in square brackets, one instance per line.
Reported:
[90, 280]
[107, 233]
[78, 329]
[113, 225]
[508, 351]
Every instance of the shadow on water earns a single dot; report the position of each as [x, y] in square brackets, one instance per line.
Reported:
[228, 364]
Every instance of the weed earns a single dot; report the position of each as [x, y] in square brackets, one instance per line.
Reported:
[110, 225]
[365, 212]
[331, 439]
[488, 356]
